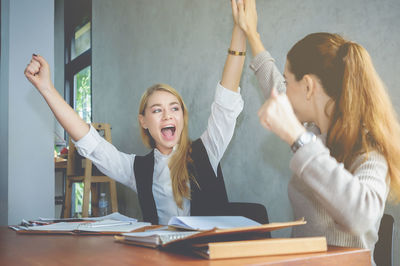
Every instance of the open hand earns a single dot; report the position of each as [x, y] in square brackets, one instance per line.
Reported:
[277, 115]
[38, 73]
[247, 16]
[235, 11]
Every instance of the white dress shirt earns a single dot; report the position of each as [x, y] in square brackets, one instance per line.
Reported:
[225, 109]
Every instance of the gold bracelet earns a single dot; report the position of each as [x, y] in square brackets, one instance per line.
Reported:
[236, 52]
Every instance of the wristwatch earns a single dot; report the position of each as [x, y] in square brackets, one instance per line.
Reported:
[304, 138]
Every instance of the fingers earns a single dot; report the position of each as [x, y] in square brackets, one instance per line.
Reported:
[252, 4]
[240, 6]
[270, 109]
[40, 59]
[234, 7]
[274, 93]
[30, 75]
[264, 114]
[32, 78]
[235, 11]
[33, 67]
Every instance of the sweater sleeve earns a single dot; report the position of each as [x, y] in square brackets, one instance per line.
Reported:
[110, 161]
[354, 199]
[267, 73]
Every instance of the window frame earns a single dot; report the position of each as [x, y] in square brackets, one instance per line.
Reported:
[76, 13]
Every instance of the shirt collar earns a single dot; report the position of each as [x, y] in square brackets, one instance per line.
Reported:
[159, 155]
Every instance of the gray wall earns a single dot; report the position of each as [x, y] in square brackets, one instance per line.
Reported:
[5, 7]
[26, 134]
[183, 43]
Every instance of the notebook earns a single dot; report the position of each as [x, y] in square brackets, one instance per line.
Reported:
[156, 238]
[107, 226]
[165, 238]
[204, 223]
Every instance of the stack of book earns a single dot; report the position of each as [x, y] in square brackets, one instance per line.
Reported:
[218, 237]
[112, 224]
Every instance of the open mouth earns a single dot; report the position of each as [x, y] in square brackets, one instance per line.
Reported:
[168, 131]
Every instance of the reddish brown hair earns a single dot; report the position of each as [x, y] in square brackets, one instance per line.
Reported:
[363, 117]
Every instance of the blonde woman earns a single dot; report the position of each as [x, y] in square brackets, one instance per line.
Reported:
[341, 175]
[178, 177]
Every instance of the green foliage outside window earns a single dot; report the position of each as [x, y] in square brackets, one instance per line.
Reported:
[83, 94]
[83, 105]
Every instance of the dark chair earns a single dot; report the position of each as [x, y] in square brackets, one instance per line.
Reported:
[383, 253]
[215, 202]
[254, 211]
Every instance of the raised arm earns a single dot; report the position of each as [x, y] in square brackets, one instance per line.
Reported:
[89, 143]
[234, 63]
[263, 65]
[247, 20]
[228, 103]
[38, 73]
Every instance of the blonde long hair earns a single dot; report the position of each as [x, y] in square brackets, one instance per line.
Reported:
[178, 163]
[363, 118]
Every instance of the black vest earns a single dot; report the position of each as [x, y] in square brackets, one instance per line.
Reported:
[208, 199]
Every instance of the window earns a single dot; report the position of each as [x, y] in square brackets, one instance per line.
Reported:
[83, 94]
[81, 40]
[78, 74]
[78, 56]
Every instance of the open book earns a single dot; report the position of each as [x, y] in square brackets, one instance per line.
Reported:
[111, 224]
[203, 223]
[165, 238]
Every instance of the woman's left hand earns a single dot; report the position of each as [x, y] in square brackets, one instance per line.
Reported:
[277, 115]
[235, 12]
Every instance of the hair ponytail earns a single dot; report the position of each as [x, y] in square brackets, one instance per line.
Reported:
[366, 119]
[363, 117]
[345, 135]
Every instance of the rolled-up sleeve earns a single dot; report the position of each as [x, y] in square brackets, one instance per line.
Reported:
[111, 162]
[225, 109]
[267, 73]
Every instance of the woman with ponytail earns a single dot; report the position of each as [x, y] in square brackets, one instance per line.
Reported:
[344, 170]
[178, 177]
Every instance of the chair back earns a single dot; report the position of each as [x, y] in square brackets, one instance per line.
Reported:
[254, 211]
[383, 253]
[76, 163]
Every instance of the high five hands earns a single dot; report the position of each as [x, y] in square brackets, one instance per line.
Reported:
[247, 16]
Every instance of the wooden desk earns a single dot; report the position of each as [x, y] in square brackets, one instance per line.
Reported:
[18, 249]
[60, 165]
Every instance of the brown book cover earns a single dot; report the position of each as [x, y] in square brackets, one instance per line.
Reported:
[260, 247]
[167, 238]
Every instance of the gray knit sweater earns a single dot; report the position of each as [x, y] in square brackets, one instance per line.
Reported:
[345, 205]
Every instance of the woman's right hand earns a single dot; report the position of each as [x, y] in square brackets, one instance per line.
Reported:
[38, 73]
[247, 17]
